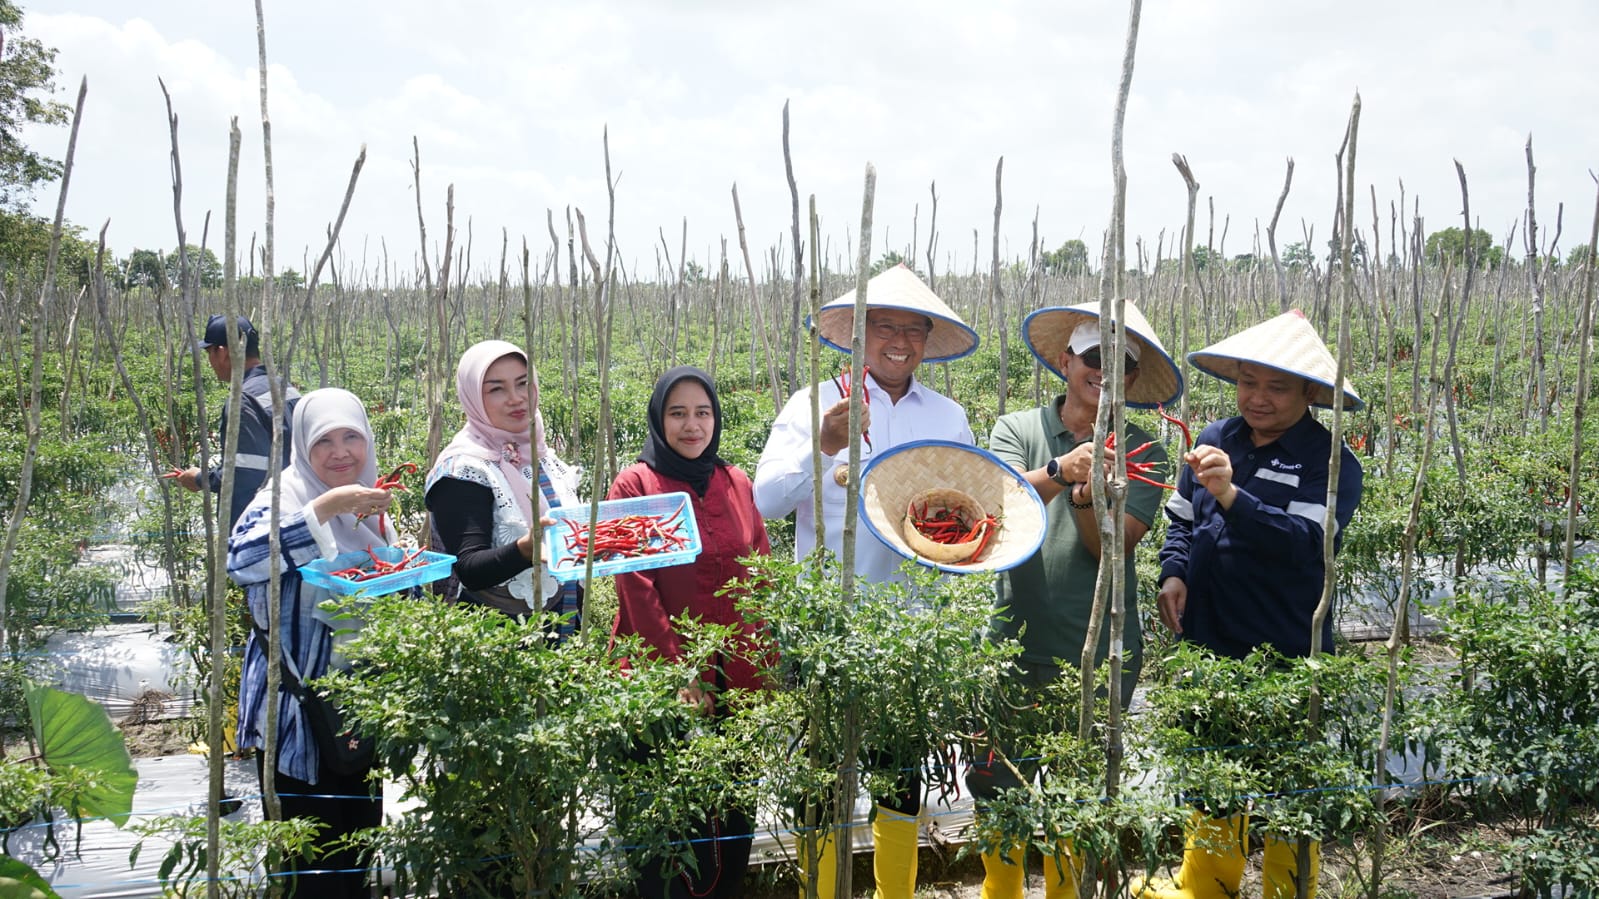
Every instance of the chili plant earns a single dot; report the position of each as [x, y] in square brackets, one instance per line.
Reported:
[864, 673]
[514, 751]
[1521, 728]
[1232, 735]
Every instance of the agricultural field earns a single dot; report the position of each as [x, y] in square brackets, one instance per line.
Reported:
[1467, 743]
[1447, 744]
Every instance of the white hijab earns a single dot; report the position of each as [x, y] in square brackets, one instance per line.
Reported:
[318, 413]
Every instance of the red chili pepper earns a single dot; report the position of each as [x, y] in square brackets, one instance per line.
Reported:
[1188, 437]
[842, 383]
[1139, 477]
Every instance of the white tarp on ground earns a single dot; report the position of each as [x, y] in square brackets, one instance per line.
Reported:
[123, 667]
[170, 785]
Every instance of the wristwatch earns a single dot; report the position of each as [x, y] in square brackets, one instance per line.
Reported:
[1053, 470]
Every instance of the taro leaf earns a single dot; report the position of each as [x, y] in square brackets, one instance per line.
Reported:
[18, 881]
[74, 732]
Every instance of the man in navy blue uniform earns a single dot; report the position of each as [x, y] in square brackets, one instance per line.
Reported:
[251, 454]
[1243, 562]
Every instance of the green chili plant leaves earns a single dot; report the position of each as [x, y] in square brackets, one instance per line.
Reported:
[898, 669]
[248, 847]
[517, 755]
[1520, 728]
[1235, 735]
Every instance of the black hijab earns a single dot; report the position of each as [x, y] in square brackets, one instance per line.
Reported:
[659, 455]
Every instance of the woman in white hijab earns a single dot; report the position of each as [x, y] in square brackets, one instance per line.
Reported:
[482, 487]
[327, 506]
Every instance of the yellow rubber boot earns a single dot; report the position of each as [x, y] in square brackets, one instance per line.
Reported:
[1003, 876]
[1279, 869]
[826, 868]
[1213, 862]
[894, 854]
[1062, 872]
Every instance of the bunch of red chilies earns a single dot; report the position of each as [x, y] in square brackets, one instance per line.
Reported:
[948, 527]
[391, 482]
[842, 383]
[379, 567]
[628, 537]
[1139, 471]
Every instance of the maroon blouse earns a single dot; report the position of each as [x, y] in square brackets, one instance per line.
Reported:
[730, 528]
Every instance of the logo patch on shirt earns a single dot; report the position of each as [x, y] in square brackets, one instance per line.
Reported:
[1281, 477]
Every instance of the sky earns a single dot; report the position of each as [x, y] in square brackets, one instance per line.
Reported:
[511, 102]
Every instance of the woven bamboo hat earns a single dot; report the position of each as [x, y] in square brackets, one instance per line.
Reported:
[900, 474]
[1048, 330]
[900, 288]
[1287, 343]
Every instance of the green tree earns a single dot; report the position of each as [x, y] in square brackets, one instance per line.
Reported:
[201, 260]
[1205, 257]
[145, 268]
[890, 259]
[1578, 255]
[1297, 255]
[1450, 244]
[27, 81]
[1070, 259]
[25, 243]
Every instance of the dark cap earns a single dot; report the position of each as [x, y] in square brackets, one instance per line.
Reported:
[216, 334]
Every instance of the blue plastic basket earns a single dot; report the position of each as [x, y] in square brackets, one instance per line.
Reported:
[566, 567]
[433, 566]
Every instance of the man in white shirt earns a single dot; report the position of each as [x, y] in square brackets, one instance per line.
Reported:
[906, 325]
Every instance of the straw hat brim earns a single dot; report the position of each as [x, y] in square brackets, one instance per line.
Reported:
[899, 288]
[1286, 343]
[894, 478]
[1159, 381]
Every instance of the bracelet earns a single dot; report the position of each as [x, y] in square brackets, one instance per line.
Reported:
[1074, 503]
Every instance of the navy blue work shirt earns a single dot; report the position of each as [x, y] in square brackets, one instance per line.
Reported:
[1254, 572]
[255, 442]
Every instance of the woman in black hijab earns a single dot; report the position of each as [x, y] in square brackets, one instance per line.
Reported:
[680, 455]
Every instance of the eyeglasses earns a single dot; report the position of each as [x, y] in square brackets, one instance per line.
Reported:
[916, 333]
[1092, 360]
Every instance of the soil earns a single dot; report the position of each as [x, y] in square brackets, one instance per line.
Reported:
[157, 738]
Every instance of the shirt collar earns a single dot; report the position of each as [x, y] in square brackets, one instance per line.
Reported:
[1298, 440]
[915, 390]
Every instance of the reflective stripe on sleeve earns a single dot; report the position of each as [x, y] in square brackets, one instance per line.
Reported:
[1179, 507]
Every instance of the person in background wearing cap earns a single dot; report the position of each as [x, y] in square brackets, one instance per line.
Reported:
[906, 324]
[1243, 563]
[1046, 602]
[251, 455]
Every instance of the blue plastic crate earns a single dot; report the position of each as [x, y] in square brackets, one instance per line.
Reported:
[434, 566]
[566, 567]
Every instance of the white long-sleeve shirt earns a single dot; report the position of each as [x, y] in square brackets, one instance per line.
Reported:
[783, 476]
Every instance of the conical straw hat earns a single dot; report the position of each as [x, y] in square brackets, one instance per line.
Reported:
[900, 288]
[900, 474]
[1287, 343]
[1159, 380]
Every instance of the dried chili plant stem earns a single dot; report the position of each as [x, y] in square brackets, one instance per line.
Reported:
[1579, 404]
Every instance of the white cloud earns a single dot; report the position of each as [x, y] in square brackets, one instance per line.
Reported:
[509, 102]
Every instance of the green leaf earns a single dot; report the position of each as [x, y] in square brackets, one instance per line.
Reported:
[18, 881]
[74, 732]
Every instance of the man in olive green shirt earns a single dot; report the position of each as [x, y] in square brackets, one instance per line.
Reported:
[1045, 602]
